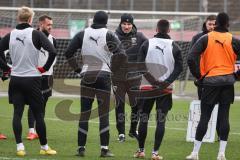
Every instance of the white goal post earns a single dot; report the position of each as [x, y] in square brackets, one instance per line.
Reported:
[183, 24]
[114, 11]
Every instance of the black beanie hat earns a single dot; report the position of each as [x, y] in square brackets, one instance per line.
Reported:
[100, 17]
[127, 18]
[222, 19]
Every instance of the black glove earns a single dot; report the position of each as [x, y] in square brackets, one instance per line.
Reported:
[163, 84]
[78, 70]
[6, 75]
[237, 75]
[151, 79]
[154, 82]
[198, 82]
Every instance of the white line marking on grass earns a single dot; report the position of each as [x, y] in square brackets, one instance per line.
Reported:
[177, 129]
[150, 126]
[60, 95]
[234, 133]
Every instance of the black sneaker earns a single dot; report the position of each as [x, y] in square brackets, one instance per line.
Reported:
[106, 153]
[121, 138]
[133, 134]
[81, 152]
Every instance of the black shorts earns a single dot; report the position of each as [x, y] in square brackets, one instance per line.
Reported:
[217, 94]
[47, 84]
[25, 90]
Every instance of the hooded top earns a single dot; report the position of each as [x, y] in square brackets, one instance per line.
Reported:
[99, 23]
[176, 51]
[199, 48]
[197, 36]
[131, 42]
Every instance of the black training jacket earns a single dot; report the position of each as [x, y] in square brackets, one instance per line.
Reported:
[178, 66]
[39, 41]
[198, 49]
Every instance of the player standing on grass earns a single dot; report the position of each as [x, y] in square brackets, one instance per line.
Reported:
[24, 44]
[159, 50]
[45, 26]
[218, 52]
[131, 41]
[208, 26]
[97, 45]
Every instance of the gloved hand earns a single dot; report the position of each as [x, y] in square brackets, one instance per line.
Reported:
[41, 69]
[6, 74]
[154, 82]
[151, 79]
[78, 70]
[198, 82]
[163, 84]
[237, 74]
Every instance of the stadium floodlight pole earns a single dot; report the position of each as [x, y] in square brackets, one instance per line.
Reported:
[170, 13]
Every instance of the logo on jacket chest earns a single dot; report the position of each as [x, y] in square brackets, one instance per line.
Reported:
[128, 43]
[134, 41]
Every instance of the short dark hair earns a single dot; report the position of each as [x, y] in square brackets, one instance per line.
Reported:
[222, 19]
[163, 26]
[43, 17]
[211, 18]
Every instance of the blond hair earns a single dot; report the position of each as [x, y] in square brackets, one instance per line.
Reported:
[24, 14]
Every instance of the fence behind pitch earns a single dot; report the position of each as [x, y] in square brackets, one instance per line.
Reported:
[67, 22]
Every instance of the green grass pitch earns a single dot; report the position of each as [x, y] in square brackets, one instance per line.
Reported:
[62, 135]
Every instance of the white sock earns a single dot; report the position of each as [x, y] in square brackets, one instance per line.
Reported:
[104, 147]
[20, 146]
[197, 146]
[222, 146]
[44, 147]
[81, 147]
[31, 130]
[155, 152]
[121, 135]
